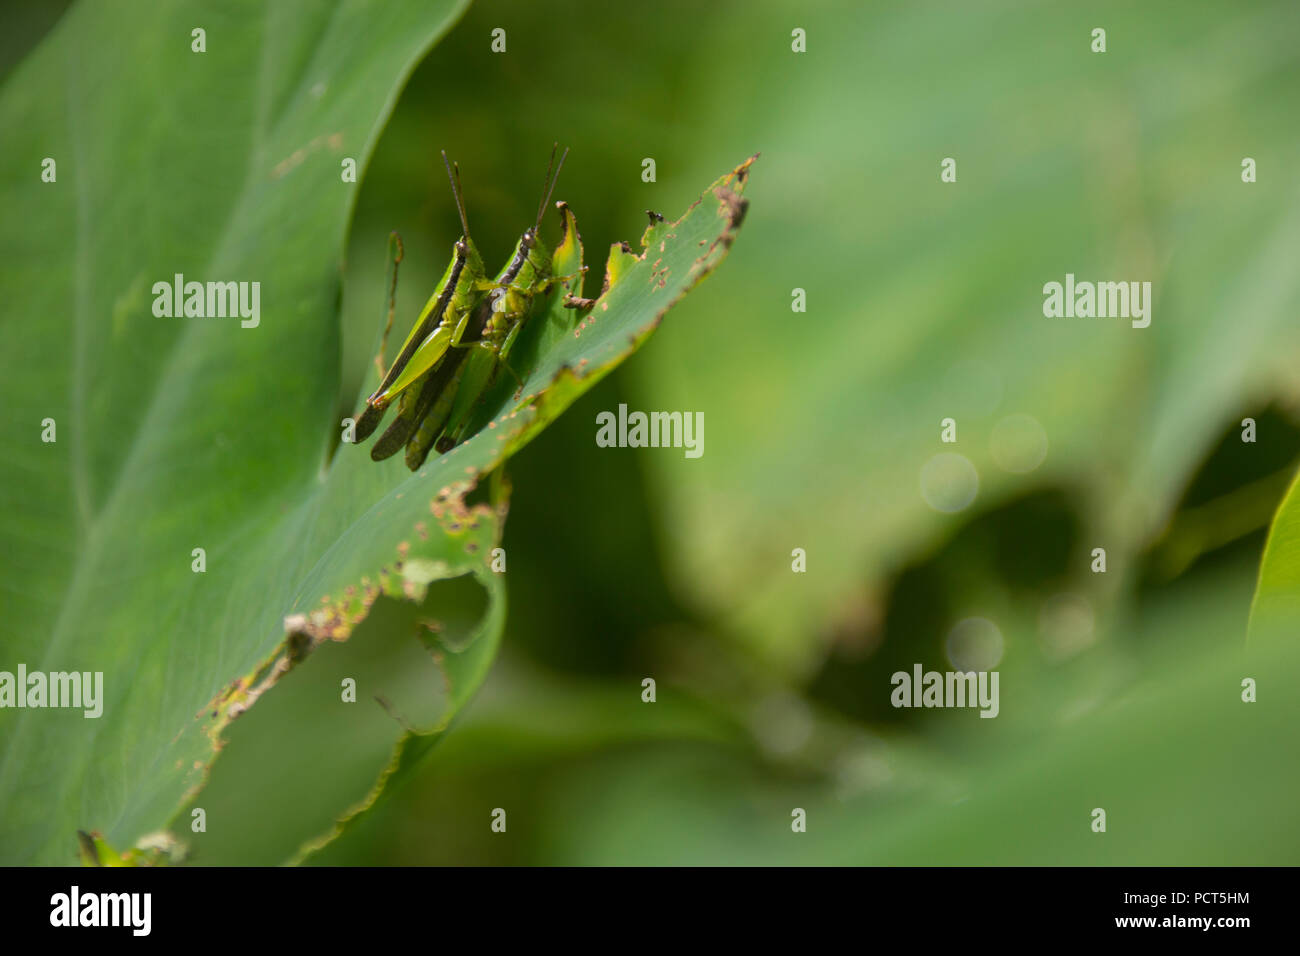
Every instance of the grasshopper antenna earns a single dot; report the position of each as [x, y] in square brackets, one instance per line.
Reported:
[549, 184]
[456, 190]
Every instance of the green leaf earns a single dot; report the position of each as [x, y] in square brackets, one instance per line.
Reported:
[924, 298]
[177, 434]
[1275, 610]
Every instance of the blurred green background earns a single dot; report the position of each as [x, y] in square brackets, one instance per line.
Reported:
[1118, 690]
[924, 301]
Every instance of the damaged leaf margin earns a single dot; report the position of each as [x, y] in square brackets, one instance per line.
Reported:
[455, 539]
[571, 350]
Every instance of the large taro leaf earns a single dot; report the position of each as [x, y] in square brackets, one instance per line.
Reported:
[174, 434]
[181, 433]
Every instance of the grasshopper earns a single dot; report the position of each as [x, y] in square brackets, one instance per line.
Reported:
[497, 322]
[440, 324]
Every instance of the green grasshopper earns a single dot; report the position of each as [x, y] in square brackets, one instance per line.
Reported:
[440, 325]
[497, 322]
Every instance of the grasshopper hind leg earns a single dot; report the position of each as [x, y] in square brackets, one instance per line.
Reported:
[417, 448]
[367, 422]
[395, 436]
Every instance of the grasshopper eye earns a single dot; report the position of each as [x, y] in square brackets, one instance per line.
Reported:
[461, 247]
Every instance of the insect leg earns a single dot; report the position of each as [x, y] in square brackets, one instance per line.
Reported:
[417, 448]
[424, 358]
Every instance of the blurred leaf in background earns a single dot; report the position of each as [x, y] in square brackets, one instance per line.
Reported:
[924, 301]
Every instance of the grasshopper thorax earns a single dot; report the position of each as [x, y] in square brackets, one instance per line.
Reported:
[472, 257]
[471, 263]
[539, 258]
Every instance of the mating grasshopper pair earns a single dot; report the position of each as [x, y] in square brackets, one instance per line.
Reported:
[461, 339]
